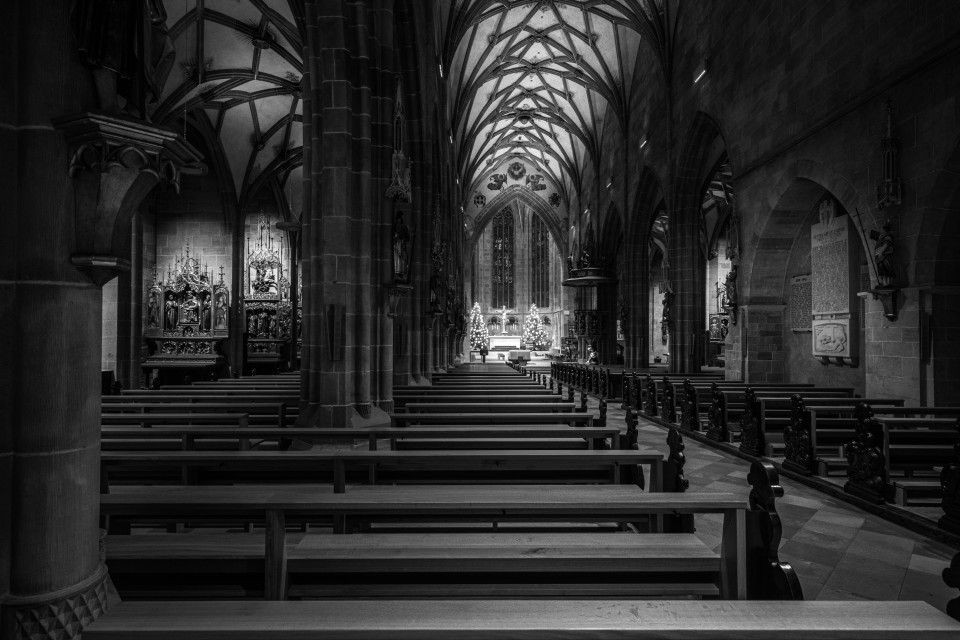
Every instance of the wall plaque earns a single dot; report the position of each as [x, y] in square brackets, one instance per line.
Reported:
[801, 299]
[831, 338]
[834, 276]
[830, 265]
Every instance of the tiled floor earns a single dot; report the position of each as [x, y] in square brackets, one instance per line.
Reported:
[838, 551]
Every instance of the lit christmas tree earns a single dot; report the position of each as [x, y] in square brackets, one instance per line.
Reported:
[533, 334]
[479, 339]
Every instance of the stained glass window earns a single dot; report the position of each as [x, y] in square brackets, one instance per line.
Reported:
[539, 263]
[503, 259]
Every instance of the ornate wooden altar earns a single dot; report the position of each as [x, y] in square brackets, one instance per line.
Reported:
[187, 319]
[267, 310]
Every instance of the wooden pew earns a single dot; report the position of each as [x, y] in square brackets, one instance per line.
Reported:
[401, 419]
[822, 431]
[431, 619]
[489, 407]
[434, 392]
[695, 398]
[742, 406]
[503, 564]
[914, 450]
[480, 437]
[401, 400]
[149, 419]
[188, 393]
[513, 466]
[259, 412]
[363, 505]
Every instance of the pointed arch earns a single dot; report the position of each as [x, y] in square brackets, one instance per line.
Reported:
[507, 197]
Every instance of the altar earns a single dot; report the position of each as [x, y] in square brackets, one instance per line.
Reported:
[504, 342]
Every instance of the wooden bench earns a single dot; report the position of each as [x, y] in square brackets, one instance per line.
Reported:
[363, 505]
[490, 407]
[512, 466]
[149, 419]
[575, 418]
[188, 394]
[431, 619]
[822, 431]
[742, 407]
[401, 401]
[914, 451]
[453, 565]
[776, 415]
[259, 412]
[695, 399]
[183, 438]
[749, 566]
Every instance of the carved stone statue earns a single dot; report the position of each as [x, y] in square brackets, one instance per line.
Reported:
[401, 249]
[206, 315]
[153, 311]
[221, 314]
[170, 307]
[883, 255]
[730, 286]
[252, 325]
[190, 309]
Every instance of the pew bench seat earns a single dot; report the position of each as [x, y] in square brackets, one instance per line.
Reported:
[572, 418]
[490, 407]
[433, 564]
[509, 466]
[523, 620]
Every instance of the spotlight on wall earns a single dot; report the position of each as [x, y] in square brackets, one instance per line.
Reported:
[643, 142]
[609, 182]
[699, 72]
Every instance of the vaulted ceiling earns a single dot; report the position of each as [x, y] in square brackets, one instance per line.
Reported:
[237, 74]
[538, 80]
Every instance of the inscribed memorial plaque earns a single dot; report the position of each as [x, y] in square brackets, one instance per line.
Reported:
[830, 261]
[834, 276]
[800, 303]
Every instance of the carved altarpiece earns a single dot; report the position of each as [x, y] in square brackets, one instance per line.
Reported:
[187, 317]
[267, 309]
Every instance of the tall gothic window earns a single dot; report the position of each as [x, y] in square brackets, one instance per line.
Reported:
[539, 263]
[503, 259]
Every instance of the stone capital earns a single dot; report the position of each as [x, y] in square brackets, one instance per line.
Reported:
[115, 162]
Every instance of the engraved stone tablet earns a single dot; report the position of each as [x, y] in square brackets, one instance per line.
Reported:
[830, 262]
[800, 303]
[834, 280]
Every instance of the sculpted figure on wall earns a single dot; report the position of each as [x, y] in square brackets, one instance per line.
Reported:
[401, 249]
[883, 250]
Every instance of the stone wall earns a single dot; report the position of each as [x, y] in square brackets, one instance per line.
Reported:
[800, 94]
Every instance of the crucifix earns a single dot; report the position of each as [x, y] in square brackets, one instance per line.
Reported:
[503, 321]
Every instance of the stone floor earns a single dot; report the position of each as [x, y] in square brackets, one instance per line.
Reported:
[839, 552]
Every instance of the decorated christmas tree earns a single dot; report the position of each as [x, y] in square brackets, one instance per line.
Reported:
[479, 338]
[533, 334]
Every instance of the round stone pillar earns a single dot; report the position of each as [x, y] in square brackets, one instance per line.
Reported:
[51, 576]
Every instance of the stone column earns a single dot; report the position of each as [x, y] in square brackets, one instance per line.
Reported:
[67, 237]
[687, 275]
[337, 232]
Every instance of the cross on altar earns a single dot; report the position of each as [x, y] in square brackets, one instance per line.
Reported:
[503, 321]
